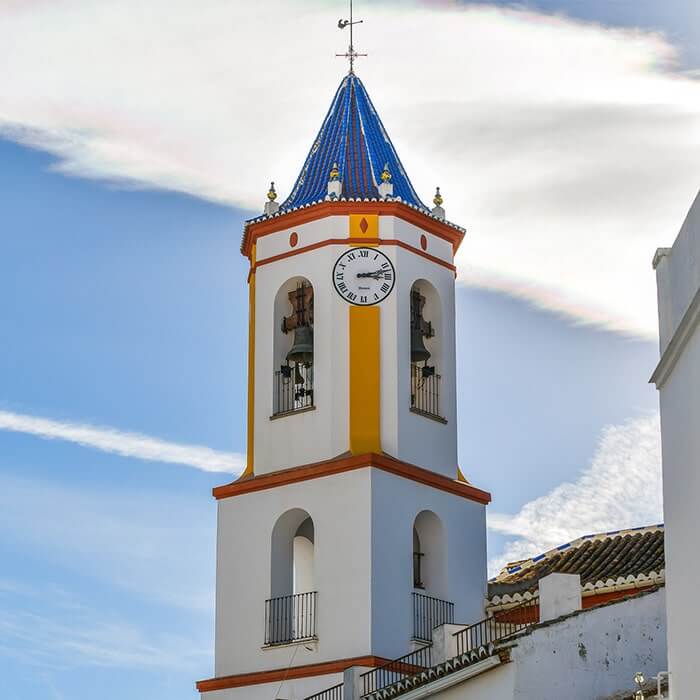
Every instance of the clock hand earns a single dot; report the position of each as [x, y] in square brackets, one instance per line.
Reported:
[374, 275]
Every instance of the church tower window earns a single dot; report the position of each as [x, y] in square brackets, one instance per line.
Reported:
[426, 350]
[293, 386]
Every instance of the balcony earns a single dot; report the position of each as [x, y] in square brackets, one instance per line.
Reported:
[293, 389]
[425, 392]
[290, 618]
[429, 612]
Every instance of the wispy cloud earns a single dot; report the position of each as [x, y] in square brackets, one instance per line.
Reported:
[620, 488]
[124, 443]
[49, 639]
[134, 542]
[569, 150]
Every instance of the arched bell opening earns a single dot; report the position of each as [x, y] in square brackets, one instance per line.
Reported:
[426, 347]
[293, 352]
[291, 609]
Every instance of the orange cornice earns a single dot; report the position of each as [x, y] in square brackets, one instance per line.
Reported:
[351, 241]
[345, 464]
[437, 227]
[280, 674]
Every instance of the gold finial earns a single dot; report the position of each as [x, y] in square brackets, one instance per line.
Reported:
[386, 175]
[271, 193]
[437, 199]
[335, 173]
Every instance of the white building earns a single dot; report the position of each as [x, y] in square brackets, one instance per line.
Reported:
[352, 532]
[677, 377]
[351, 554]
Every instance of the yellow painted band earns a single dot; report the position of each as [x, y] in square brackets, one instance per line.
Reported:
[249, 469]
[364, 380]
[364, 226]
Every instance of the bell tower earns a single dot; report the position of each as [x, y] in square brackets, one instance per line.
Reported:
[352, 532]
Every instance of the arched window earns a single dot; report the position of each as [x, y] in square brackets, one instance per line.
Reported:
[290, 612]
[293, 347]
[429, 554]
[426, 349]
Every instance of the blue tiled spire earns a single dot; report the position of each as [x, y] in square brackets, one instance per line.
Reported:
[353, 136]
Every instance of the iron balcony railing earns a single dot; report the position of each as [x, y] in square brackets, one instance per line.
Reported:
[290, 618]
[404, 667]
[497, 628]
[293, 389]
[334, 693]
[425, 391]
[428, 613]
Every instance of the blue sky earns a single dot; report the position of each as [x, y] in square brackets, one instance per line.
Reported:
[126, 307]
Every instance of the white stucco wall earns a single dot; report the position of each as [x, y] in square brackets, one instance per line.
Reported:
[340, 507]
[585, 656]
[678, 279]
[285, 442]
[363, 566]
[395, 504]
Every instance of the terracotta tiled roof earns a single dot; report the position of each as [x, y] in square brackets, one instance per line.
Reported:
[598, 559]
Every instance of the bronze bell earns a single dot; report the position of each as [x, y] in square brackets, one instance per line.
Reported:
[419, 353]
[302, 350]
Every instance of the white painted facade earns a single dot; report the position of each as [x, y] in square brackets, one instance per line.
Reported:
[583, 656]
[678, 379]
[363, 568]
[350, 535]
[404, 435]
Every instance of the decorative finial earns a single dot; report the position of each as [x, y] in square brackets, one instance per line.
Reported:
[386, 189]
[437, 201]
[271, 206]
[335, 186]
[350, 54]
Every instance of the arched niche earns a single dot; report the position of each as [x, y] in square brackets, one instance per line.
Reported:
[292, 554]
[430, 555]
[292, 387]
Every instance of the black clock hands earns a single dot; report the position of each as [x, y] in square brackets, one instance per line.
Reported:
[374, 275]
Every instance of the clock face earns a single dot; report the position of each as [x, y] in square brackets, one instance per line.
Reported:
[363, 276]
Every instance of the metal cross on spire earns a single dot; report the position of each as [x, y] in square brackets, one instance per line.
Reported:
[350, 54]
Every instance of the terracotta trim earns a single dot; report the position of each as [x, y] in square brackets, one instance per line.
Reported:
[352, 241]
[280, 674]
[322, 210]
[345, 464]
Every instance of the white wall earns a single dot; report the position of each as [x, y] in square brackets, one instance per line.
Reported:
[589, 655]
[322, 434]
[395, 504]
[678, 279]
[340, 509]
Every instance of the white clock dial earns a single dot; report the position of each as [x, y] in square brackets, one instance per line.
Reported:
[363, 276]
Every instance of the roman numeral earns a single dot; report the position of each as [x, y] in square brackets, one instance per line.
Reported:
[385, 288]
[364, 253]
[351, 296]
[342, 287]
[363, 300]
[350, 256]
[385, 265]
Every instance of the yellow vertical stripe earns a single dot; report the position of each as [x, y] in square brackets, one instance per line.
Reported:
[364, 380]
[249, 470]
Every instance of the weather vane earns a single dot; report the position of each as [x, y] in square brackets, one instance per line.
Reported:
[351, 54]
